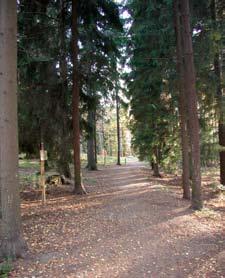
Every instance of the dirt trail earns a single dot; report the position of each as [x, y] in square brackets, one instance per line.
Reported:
[130, 225]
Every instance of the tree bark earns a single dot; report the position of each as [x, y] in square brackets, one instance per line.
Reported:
[219, 98]
[191, 96]
[118, 127]
[78, 186]
[64, 151]
[95, 138]
[155, 163]
[91, 141]
[182, 108]
[11, 241]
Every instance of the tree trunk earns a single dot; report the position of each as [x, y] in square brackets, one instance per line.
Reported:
[156, 170]
[11, 241]
[64, 151]
[78, 186]
[118, 127]
[91, 141]
[191, 96]
[219, 98]
[95, 139]
[182, 108]
[155, 163]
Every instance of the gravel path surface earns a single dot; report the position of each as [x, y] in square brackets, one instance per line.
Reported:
[129, 225]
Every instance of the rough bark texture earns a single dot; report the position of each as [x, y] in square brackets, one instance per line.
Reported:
[191, 96]
[222, 168]
[156, 170]
[219, 98]
[64, 152]
[155, 163]
[11, 241]
[118, 127]
[91, 141]
[78, 186]
[95, 139]
[182, 108]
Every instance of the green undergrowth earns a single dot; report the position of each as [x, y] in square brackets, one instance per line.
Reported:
[5, 268]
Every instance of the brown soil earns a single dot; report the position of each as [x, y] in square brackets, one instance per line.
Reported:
[129, 225]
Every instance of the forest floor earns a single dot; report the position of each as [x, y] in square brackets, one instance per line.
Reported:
[129, 225]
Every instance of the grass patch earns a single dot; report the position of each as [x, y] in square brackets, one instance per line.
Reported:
[29, 164]
[5, 269]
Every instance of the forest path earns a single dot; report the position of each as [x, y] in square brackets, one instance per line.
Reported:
[129, 225]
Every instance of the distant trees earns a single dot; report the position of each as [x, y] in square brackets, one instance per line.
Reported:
[45, 100]
[11, 241]
[154, 95]
[153, 103]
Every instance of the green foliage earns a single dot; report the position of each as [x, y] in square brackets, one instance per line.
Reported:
[44, 52]
[153, 103]
[5, 269]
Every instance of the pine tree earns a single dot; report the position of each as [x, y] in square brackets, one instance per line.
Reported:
[78, 186]
[11, 241]
[190, 92]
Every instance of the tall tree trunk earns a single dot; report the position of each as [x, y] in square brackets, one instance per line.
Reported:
[11, 241]
[182, 108]
[190, 91]
[95, 138]
[219, 98]
[78, 186]
[91, 141]
[118, 127]
[64, 151]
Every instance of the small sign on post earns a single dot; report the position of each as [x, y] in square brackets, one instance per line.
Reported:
[43, 157]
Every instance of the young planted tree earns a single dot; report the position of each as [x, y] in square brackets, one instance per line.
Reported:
[191, 96]
[11, 241]
[78, 186]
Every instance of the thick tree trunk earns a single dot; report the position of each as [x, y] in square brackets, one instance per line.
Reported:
[11, 241]
[155, 163]
[64, 151]
[118, 128]
[91, 141]
[219, 98]
[190, 92]
[78, 186]
[182, 108]
[156, 172]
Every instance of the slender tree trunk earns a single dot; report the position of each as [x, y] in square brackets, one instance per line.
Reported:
[78, 186]
[95, 138]
[118, 128]
[64, 151]
[11, 241]
[91, 141]
[182, 108]
[190, 91]
[219, 98]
